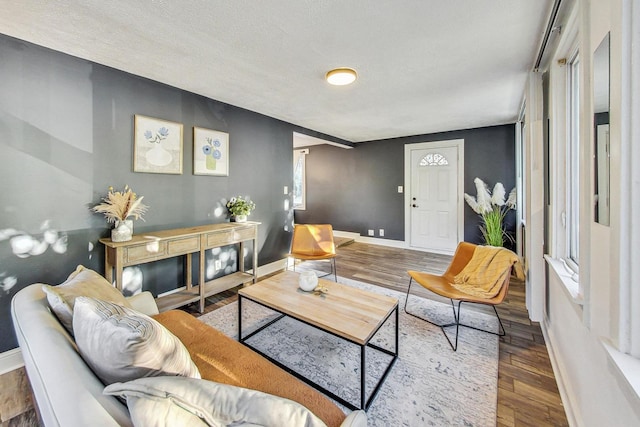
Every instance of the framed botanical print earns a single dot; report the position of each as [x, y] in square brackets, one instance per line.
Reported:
[157, 146]
[210, 152]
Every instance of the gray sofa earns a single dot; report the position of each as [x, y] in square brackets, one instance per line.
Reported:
[66, 390]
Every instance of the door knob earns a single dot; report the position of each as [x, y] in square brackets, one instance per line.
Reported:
[414, 205]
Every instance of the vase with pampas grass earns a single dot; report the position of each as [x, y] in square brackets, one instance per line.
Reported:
[118, 207]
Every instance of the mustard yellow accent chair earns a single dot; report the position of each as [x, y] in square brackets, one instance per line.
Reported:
[313, 242]
[443, 286]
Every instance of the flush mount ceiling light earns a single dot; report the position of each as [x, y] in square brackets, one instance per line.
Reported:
[341, 76]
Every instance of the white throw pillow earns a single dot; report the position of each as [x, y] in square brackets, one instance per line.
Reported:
[120, 344]
[173, 401]
[82, 282]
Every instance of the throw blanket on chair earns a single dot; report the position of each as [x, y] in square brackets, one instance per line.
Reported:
[486, 271]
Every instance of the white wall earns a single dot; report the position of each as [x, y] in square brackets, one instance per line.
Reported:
[594, 392]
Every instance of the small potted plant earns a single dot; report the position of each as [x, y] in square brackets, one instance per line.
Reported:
[239, 208]
[117, 208]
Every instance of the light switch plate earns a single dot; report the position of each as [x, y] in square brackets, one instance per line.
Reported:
[286, 190]
[400, 189]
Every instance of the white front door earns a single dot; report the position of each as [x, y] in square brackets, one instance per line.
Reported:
[434, 196]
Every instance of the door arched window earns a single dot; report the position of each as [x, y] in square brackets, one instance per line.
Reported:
[434, 159]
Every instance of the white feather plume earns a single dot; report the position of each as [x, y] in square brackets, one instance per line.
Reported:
[483, 196]
[497, 198]
[513, 199]
[472, 203]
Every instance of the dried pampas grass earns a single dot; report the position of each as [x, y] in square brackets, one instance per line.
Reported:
[120, 205]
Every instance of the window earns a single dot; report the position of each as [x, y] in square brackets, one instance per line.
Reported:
[434, 159]
[564, 168]
[572, 208]
[299, 179]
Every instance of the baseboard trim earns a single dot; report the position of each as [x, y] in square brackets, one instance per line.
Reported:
[10, 361]
[272, 267]
[382, 242]
[347, 234]
[566, 393]
[370, 240]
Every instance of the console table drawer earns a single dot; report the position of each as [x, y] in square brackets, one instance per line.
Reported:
[245, 233]
[149, 250]
[183, 246]
[230, 236]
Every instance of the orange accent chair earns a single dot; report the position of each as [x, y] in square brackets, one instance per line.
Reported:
[441, 285]
[314, 242]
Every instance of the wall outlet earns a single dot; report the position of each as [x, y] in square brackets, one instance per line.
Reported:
[381, 232]
[371, 233]
[400, 189]
[218, 265]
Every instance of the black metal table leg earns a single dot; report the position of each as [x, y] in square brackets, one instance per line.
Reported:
[397, 329]
[240, 318]
[393, 354]
[363, 376]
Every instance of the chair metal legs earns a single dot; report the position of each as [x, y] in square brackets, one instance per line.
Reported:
[333, 271]
[456, 323]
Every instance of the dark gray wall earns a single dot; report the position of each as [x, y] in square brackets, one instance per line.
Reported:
[356, 190]
[66, 135]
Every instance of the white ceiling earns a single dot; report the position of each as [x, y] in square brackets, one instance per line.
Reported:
[424, 65]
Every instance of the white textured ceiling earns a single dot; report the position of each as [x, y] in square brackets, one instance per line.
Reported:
[424, 65]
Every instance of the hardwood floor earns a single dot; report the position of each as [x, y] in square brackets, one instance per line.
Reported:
[527, 390]
[16, 402]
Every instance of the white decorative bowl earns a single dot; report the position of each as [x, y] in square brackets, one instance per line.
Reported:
[308, 281]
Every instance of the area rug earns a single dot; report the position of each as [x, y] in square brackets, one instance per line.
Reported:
[429, 385]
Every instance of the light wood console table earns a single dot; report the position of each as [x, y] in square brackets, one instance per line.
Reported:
[158, 245]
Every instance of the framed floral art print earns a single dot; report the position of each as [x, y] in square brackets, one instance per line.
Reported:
[157, 146]
[210, 152]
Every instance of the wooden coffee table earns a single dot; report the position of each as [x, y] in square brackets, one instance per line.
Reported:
[346, 312]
